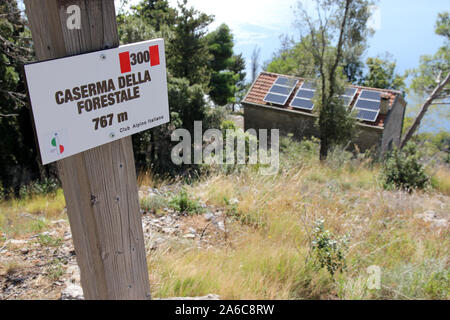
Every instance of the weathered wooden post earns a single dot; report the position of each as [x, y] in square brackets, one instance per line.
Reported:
[99, 184]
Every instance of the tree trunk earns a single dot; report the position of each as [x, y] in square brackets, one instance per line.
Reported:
[323, 149]
[423, 110]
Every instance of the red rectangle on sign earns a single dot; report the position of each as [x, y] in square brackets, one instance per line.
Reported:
[125, 65]
[154, 55]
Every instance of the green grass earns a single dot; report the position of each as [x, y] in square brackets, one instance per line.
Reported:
[184, 203]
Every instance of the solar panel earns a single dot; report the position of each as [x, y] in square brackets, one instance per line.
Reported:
[306, 94]
[309, 85]
[275, 98]
[350, 92]
[368, 105]
[347, 100]
[302, 104]
[371, 95]
[288, 82]
[367, 115]
[303, 96]
[281, 90]
[348, 95]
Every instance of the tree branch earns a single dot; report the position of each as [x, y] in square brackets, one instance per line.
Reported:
[424, 109]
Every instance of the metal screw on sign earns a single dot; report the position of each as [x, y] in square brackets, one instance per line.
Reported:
[102, 57]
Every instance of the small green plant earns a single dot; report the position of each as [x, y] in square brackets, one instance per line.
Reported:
[228, 125]
[48, 241]
[183, 203]
[329, 250]
[56, 270]
[402, 169]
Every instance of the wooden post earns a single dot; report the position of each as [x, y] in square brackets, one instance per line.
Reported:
[100, 184]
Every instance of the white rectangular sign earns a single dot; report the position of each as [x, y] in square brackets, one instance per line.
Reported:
[88, 100]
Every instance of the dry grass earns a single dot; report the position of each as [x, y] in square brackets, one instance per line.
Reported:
[31, 214]
[269, 256]
[441, 180]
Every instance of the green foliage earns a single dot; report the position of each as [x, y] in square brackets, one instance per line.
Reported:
[134, 29]
[295, 152]
[434, 67]
[294, 59]
[49, 241]
[381, 74]
[425, 76]
[345, 24]
[223, 87]
[336, 124]
[228, 125]
[55, 269]
[153, 203]
[192, 74]
[156, 13]
[220, 44]
[188, 52]
[184, 204]
[443, 25]
[48, 186]
[329, 250]
[402, 169]
[227, 70]
[18, 156]
[237, 66]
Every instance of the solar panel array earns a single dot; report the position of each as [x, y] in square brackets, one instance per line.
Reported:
[281, 90]
[368, 105]
[348, 95]
[303, 97]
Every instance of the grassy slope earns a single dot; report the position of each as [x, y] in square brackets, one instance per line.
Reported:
[268, 252]
[268, 256]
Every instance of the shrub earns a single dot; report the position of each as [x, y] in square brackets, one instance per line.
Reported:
[183, 203]
[233, 134]
[329, 250]
[44, 187]
[402, 169]
[48, 186]
[294, 152]
[153, 203]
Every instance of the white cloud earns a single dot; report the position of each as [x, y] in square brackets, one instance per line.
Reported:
[249, 20]
[375, 20]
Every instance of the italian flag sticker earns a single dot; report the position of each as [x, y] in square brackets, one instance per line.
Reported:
[56, 143]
